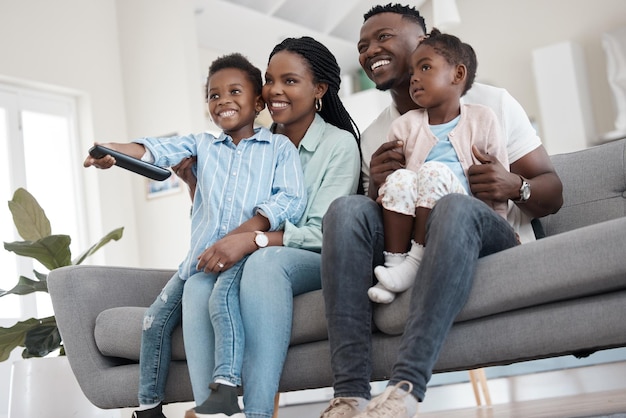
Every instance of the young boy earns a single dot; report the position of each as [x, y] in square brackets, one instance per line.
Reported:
[441, 140]
[248, 181]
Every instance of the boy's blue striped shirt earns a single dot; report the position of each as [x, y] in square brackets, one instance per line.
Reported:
[262, 172]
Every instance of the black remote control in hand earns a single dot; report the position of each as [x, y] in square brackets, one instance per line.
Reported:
[130, 163]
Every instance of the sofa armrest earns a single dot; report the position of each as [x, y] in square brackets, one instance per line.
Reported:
[79, 294]
[594, 187]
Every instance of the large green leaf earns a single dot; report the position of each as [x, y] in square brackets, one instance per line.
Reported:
[52, 251]
[116, 234]
[43, 339]
[39, 337]
[25, 286]
[14, 336]
[30, 219]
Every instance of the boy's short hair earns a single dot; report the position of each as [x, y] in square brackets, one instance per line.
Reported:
[238, 61]
[455, 52]
[407, 12]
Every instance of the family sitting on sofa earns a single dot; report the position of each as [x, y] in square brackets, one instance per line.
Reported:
[456, 165]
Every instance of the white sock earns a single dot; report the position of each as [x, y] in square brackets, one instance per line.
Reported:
[410, 403]
[225, 383]
[379, 293]
[400, 277]
[394, 259]
[143, 407]
[361, 403]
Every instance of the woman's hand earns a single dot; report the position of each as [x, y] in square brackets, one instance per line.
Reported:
[226, 252]
[184, 170]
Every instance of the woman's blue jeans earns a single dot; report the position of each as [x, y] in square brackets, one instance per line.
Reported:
[159, 321]
[271, 278]
[460, 230]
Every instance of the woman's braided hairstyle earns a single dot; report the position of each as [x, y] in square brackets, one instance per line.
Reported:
[325, 69]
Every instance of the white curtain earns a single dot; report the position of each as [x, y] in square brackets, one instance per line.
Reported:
[614, 44]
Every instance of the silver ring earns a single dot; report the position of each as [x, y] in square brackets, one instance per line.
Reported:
[220, 265]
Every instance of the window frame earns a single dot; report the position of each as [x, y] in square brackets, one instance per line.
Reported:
[16, 100]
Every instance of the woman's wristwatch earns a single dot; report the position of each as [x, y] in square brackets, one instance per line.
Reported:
[260, 239]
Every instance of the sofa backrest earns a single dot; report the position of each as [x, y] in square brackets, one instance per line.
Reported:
[594, 187]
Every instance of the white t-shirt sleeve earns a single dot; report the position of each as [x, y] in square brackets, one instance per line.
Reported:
[521, 138]
[373, 137]
[519, 133]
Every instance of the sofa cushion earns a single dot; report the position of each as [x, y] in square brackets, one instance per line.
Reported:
[532, 275]
[504, 282]
[118, 333]
[309, 318]
[118, 330]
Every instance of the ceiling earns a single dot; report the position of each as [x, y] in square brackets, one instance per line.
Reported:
[254, 27]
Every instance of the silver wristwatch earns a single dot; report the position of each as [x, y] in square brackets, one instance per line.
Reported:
[524, 191]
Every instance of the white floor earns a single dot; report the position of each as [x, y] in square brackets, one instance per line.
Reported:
[574, 392]
[532, 394]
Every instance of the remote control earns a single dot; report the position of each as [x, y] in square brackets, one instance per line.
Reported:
[130, 163]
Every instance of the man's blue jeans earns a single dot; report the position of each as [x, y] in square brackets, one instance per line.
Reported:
[460, 230]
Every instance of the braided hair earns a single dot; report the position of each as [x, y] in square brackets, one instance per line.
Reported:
[406, 11]
[325, 69]
[455, 52]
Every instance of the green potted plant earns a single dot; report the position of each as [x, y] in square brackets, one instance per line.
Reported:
[38, 336]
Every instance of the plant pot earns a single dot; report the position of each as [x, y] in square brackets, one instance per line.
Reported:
[47, 388]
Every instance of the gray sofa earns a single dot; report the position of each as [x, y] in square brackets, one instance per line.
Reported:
[563, 294]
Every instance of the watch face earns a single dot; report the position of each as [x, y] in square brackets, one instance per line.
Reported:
[261, 240]
[525, 191]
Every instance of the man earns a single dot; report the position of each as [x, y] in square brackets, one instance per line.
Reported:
[460, 230]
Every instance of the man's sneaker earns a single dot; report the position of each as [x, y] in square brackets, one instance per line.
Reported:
[341, 408]
[156, 412]
[221, 403]
[390, 403]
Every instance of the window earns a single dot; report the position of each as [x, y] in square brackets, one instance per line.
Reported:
[38, 151]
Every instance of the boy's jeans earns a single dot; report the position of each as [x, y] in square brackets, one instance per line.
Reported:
[159, 322]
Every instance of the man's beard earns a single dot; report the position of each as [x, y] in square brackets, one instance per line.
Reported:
[386, 85]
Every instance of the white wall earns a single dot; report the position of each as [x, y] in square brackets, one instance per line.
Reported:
[163, 94]
[73, 45]
[504, 33]
[134, 68]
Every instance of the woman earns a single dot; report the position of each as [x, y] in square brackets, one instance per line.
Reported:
[301, 92]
